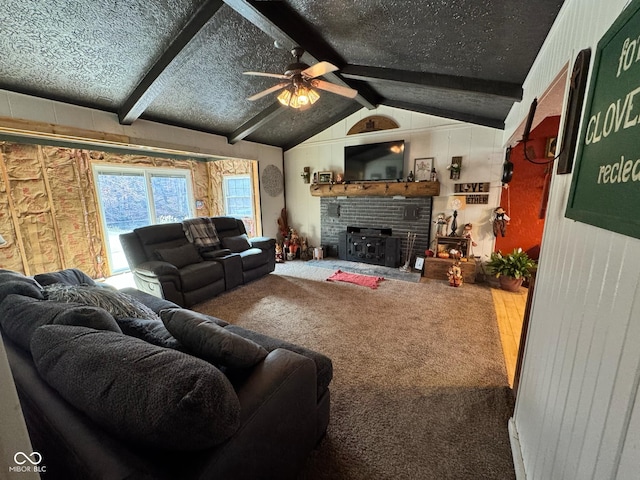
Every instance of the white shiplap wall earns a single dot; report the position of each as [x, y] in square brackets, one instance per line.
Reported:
[425, 136]
[578, 414]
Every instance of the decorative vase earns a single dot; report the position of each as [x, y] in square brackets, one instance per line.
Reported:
[510, 284]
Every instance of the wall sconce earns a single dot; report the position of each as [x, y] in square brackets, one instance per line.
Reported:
[3, 242]
[306, 174]
[454, 168]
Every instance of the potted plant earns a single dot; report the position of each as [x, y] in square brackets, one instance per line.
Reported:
[511, 269]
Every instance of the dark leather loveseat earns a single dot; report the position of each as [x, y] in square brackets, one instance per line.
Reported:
[106, 396]
[166, 264]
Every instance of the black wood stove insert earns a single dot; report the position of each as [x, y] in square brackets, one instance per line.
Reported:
[370, 245]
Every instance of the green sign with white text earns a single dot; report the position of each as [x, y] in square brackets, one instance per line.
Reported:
[605, 190]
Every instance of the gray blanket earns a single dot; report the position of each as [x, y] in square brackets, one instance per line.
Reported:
[202, 233]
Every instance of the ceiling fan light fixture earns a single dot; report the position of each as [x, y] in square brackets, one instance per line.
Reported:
[302, 93]
[313, 96]
[285, 97]
[295, 101]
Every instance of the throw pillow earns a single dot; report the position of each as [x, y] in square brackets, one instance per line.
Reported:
[155, 397]
[179, 257]
[20, 288]
[20, 316]
[69, 276]
[237, 244]
[152, 331]
[206, 339]
[118, 304]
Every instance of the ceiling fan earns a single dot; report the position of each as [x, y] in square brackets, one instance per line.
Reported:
[300, 83]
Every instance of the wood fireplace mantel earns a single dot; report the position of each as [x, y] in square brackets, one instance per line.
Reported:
[376, 189]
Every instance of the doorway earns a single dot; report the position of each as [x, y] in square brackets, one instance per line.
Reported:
[524, 200]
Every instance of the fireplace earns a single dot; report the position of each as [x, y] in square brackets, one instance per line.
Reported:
[370, 245]
[382, 217]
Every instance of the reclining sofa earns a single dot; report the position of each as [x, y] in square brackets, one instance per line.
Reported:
[166, 264]
[108, 396]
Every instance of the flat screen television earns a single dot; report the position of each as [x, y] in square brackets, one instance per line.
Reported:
[374, 161]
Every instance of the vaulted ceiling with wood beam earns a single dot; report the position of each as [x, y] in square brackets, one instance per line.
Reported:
[182, 62]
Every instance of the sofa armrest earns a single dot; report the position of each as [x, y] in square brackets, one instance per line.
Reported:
[263, 243]
[278, 421]
[160, 279]
[268, 377]
[156, 268]
[215, 254]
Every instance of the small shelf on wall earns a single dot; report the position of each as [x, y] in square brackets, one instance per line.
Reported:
[376, 189]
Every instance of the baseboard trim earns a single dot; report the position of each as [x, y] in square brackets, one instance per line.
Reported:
[516, 451]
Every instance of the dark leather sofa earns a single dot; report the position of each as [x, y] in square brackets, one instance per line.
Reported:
[283, 400]
[165, 264]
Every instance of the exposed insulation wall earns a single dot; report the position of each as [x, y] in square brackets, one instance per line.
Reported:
[218, 170]
[49, 213]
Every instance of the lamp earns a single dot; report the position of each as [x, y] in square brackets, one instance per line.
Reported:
[3, 242]
[285, 96]
[455, 203]
[298, 95]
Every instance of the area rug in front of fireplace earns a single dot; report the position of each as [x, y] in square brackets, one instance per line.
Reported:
[365, 269]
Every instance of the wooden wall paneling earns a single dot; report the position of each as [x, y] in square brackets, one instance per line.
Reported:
[568, 393]
[628, 465]
[256, 197]
[577, 411]
[621, 364]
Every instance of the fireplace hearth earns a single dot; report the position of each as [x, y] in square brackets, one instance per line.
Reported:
[376, 246]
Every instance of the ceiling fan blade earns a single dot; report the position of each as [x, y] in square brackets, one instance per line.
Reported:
[318, 70]
[265, 74]
[268, 91]
[333, 88]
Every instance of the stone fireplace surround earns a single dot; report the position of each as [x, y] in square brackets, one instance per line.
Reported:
[401, 215]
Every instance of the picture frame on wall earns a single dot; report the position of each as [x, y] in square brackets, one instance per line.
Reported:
[422, 169]
[325, 177]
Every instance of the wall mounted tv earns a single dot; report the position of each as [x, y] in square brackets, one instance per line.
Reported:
[374, 161]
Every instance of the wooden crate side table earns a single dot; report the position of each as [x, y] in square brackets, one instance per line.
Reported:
[437, 269]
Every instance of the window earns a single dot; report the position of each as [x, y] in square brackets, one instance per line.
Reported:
[238, 200]
[135, 197]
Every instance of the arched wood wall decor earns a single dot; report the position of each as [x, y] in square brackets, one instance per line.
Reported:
[373, 123]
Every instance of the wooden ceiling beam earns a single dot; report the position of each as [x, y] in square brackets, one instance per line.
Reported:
[256, 122]
[433, 80]
[173, 57]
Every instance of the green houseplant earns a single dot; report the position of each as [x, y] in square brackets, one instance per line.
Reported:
[511, 269]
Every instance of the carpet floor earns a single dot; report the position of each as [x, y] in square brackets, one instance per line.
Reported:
[419, 388]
